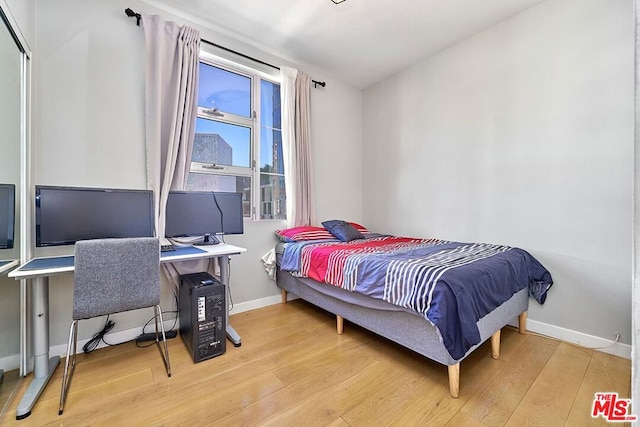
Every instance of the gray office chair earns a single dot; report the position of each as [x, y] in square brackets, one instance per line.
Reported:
[112, 276]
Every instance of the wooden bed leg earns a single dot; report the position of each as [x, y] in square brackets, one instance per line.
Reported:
[284, 296]
[340, 324]
[454, 380]
[495, 345]
[522, 322]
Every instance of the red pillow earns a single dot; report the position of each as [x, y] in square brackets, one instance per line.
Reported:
[359, 227]
[305, 232]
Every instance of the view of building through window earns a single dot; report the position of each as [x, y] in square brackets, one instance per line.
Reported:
[272, 192]
[232, 137]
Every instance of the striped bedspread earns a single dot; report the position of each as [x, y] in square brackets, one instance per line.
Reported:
[451, 284]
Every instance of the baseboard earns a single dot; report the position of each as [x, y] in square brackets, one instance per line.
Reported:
[113, 338]
[258, 303]
[622, 350]
[130, 334]
[579, 338]
[10, 363]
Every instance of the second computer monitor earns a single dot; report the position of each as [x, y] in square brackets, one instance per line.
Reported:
[199, 213]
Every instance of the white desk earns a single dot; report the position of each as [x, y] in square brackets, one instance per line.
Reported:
[40, 269]
[7, 264]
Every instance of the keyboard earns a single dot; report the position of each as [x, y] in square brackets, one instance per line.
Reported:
[167, 248]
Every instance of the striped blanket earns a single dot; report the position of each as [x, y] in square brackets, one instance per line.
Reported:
[451, 284]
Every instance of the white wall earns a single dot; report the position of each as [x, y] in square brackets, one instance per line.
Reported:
[89, 131]
[521, 135]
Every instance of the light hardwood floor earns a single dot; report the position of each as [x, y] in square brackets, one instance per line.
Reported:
[294, 370]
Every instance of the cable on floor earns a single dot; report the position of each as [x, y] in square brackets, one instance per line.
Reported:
[175, 322]
[614, 342]
[92, 344]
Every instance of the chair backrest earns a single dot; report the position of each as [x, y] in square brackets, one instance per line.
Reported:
[115, 275]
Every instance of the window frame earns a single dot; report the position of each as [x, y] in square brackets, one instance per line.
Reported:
[253, 123]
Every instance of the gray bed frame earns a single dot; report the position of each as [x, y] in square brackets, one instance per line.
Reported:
[405, 328]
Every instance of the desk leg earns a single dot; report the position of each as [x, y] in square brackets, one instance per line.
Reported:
[224, 278]
[43, 365]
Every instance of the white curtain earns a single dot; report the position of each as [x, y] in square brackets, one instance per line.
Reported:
[171, 97]
[296, 147]
[172, 61]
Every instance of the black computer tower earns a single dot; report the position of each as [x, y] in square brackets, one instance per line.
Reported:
[202, 306]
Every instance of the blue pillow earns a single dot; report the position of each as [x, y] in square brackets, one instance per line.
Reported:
[342, 230]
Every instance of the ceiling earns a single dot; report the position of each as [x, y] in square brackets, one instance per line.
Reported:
[358, 41]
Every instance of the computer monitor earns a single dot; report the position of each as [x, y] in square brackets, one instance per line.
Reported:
[7, 215]
[201, 213]
[65, 215]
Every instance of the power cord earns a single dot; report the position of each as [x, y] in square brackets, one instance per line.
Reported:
[613, 342]
[92, 344]
[229, 285]
[138, 339]
[229, 281]
[618, 335]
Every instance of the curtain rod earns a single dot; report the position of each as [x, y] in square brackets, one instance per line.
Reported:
[131, 14]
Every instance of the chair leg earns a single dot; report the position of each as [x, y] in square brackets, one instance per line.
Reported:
[165, 353]
[71, 358]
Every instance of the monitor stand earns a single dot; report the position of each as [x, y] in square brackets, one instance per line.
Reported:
[208, 241]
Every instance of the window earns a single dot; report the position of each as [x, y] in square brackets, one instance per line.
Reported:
[233, 136]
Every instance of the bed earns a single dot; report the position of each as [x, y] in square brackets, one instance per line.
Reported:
[439, 298]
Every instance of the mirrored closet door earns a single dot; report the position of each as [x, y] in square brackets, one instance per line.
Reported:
[12, 140]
